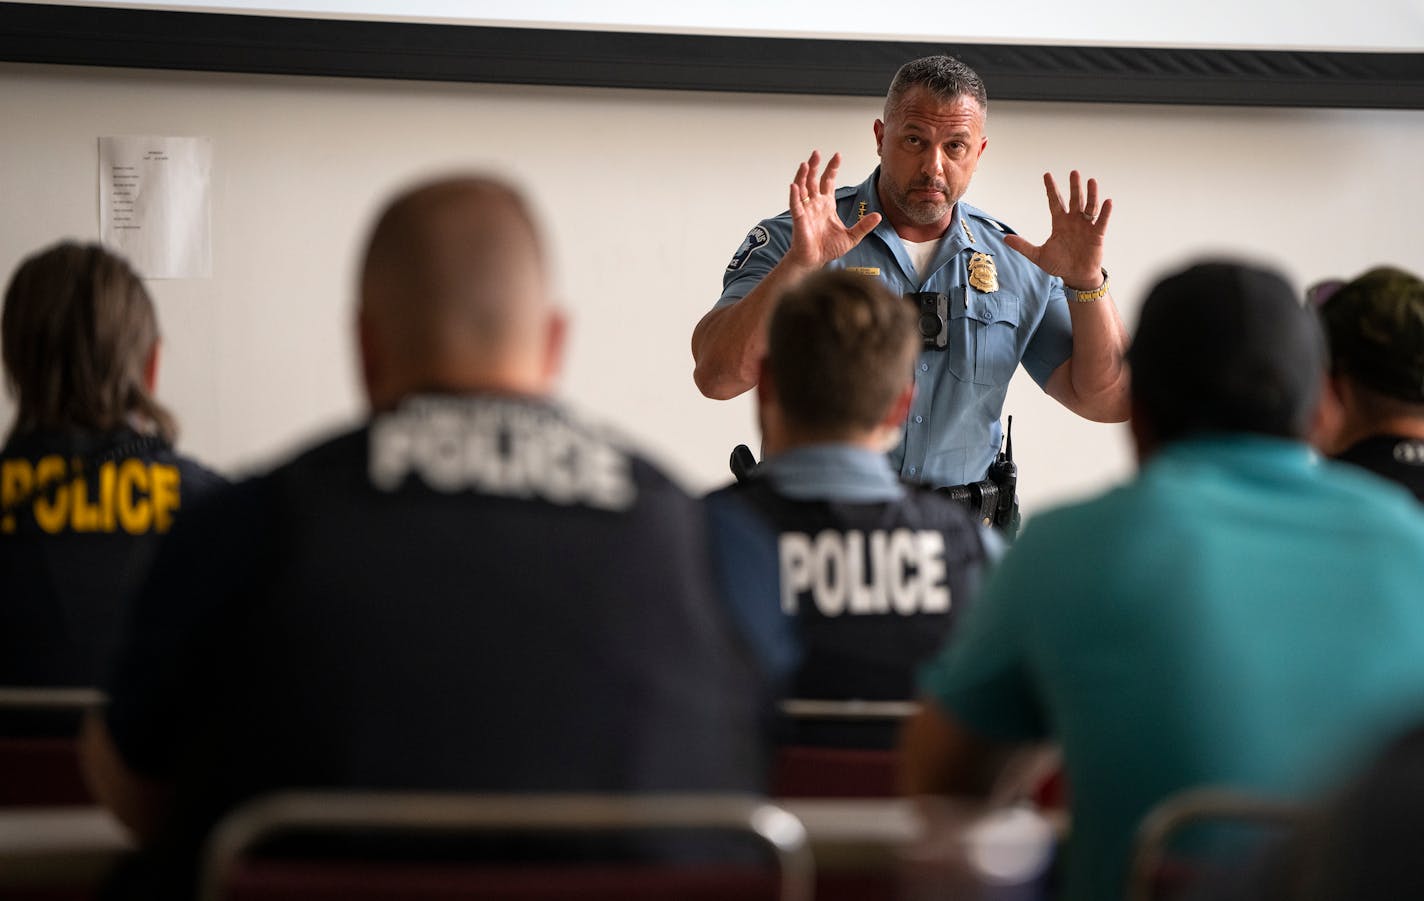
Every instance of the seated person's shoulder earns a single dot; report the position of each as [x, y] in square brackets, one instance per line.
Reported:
[197, 481]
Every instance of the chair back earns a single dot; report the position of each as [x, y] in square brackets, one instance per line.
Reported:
[1155, 874]
[811, 772]
[230, 873]
[43, 771]
[843, 770]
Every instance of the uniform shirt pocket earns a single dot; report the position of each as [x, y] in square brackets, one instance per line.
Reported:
[983, 336]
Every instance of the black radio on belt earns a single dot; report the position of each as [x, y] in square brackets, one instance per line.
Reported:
[934, 316]
[994, 499]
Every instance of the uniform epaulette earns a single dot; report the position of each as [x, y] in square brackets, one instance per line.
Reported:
[985, 217]
[846, 193]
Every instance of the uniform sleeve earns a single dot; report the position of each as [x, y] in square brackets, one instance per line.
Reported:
[982, 676]
[1052, 341]
[745, 557]
[172, 649]
[760, 251]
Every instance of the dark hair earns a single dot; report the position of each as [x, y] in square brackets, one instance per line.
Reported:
[1226, 347]
[840, 347]
[943, 76]
[78, 327]
[1375, 327]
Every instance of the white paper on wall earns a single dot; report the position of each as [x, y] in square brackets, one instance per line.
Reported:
[154, 203]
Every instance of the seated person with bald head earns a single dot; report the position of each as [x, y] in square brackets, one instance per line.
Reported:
[1376, 329]
[473, 591]
[872, 571]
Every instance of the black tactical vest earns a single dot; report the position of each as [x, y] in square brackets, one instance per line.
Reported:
[875, 588]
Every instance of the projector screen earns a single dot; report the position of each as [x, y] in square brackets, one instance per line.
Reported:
[1314, 25]
[1307, 53]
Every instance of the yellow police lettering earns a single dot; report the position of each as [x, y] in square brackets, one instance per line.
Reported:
[84, 515]
[108, 479]
[163, 494]
[131, 494]
[135, 514]
[850, 572]
[16, 480]
[51, 508]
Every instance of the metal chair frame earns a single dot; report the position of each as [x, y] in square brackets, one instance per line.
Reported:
[849, 710]
[258, 820]
[47, 698]
[1195, 805]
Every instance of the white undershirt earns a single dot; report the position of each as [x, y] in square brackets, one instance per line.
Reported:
[921, 253]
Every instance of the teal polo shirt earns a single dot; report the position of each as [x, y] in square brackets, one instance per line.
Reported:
[1242, 614]
[953, 430]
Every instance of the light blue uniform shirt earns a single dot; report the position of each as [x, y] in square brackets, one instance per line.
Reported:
[953, 430]
[1241, 614]
[848, 474]
[833, 472]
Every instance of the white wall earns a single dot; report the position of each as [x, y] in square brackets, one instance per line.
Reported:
[645, 195]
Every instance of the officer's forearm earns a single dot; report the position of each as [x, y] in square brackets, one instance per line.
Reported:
[729, 342]
[1096, 374]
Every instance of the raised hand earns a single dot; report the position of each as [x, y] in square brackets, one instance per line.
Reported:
[818, 235]
[1074, 248]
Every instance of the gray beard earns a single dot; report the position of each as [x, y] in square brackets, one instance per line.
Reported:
[927, 213]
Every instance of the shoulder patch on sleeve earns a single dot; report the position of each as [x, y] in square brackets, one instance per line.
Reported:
[754, 241]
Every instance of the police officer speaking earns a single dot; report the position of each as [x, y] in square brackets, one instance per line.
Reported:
[988, 299]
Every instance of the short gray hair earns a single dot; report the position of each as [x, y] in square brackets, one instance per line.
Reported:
[943, 76]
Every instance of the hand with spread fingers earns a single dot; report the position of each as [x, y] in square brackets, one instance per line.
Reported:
[1073, 250]
[818, 235]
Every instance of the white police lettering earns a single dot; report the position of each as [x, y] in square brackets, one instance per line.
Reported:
[903, 571]
[1409, 452]
[501, 449]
